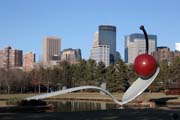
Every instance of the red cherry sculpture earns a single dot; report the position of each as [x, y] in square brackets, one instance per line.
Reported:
[145, 66]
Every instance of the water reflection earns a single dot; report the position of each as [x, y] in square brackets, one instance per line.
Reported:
[71, 106]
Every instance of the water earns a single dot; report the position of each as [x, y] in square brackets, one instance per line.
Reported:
[89, 110]
[72, 106]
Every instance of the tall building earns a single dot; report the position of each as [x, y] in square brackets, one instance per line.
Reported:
[107, 36]
[178, 46]
[10, 58]
[104, 45]
[71, 55]
[118, 56]
[51, 50]
[96, 39]
[101, 53]
[135, 45]
[28, 61]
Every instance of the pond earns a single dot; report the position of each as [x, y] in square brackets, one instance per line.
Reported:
[83, 105]
[74, 105]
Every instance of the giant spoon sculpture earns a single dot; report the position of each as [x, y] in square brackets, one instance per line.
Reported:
[145, 66]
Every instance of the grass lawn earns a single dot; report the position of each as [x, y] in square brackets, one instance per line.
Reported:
[10, 96]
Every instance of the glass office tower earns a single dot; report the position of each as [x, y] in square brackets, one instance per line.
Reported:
[107, 36]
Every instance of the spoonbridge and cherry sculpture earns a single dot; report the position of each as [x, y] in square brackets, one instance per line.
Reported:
[145, 66]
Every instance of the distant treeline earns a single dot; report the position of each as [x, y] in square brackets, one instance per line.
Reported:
[118, 77]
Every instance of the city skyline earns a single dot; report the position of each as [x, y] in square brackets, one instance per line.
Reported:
[25, 23]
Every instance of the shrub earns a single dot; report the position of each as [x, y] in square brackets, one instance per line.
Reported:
[32, 103]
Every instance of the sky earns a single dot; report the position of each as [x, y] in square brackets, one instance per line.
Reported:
[24, 23]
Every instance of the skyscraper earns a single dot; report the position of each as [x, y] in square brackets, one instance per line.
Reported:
[10, 58]
[107, 36]
[28, 61]
[96, 39]
[51, 49]
[135, 45]
[101, 53]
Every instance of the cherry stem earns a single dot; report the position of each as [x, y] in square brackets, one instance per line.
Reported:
[146, 38]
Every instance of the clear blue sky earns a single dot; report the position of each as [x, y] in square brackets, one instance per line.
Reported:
[24, 23]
